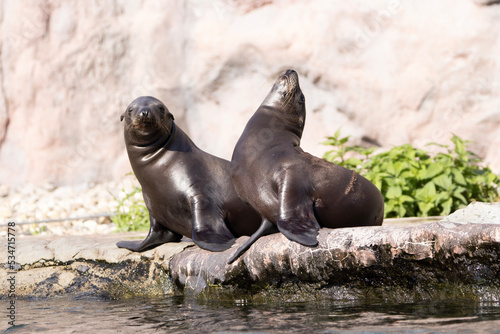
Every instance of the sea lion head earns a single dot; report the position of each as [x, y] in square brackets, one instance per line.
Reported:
[147, 117]
[287, 97]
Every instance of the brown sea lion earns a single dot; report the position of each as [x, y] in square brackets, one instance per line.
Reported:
[289, 188]
[187, 191]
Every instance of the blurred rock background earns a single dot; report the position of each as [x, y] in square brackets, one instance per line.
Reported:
[386, 72]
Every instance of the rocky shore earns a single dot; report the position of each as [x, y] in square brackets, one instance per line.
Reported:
[89, 265]
[404, 262]
[395, 263]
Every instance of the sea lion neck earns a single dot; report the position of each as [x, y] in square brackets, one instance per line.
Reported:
[278, 120]
[289, 112]
[154, 146]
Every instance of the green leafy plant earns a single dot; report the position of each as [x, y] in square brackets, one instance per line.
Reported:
[413, 182]
[132, 214]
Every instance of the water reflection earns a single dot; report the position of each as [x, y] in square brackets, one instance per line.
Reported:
[177, 315]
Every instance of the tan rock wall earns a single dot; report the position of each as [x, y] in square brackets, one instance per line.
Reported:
[392, 71]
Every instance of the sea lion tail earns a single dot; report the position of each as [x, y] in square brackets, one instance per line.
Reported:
[266, 227]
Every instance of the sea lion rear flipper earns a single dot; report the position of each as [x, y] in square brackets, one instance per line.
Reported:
[212, 240]
[266, 227]
[154, 239]
[209, 228]
[296, 218]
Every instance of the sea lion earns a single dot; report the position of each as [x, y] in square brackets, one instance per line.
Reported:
[292, 189]
[187, 191]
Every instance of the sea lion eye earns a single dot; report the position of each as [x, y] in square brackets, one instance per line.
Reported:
[129, 111]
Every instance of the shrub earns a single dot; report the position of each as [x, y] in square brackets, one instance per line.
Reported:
[132, 214]
[413, 182]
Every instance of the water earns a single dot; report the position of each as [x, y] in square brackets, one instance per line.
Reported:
[180, 315]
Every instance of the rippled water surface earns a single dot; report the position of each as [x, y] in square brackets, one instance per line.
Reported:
[177, 315]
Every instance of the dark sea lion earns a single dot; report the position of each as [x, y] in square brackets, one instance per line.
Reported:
[289, 188]
[187, 191]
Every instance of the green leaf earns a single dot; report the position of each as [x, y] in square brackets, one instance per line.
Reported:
[458, 177]
[389, 167]
[444, 181]
[460, 145]
[442, 197]
[354, 162]
[393, 192]
[425, 208]
[433, 170]
[343, 140]
[492, 179]
[401, 211]
[406, 199]
[399, 167]
[427, 193]
[446, 207]
[458, 194]
[388, 207]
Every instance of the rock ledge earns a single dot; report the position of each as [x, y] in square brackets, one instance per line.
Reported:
[457, 257]
[402, 263]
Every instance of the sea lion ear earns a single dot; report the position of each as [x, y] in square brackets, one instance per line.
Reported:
[171, 116]
[122, 117]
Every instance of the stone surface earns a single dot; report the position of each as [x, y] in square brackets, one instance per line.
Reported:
[476, 213]
[404, 263]
[376, 69]
[405, 259]
[89, 265]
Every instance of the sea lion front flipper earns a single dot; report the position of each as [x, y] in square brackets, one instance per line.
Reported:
[157, 236]
[296, 219]
[266, 227]
[209, 228]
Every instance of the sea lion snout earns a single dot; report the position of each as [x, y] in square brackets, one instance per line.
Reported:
[290, 73]
[288, 83]
[145, 115]
[148, 116]
[142, 115]
[291, 77]
[284, 90]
